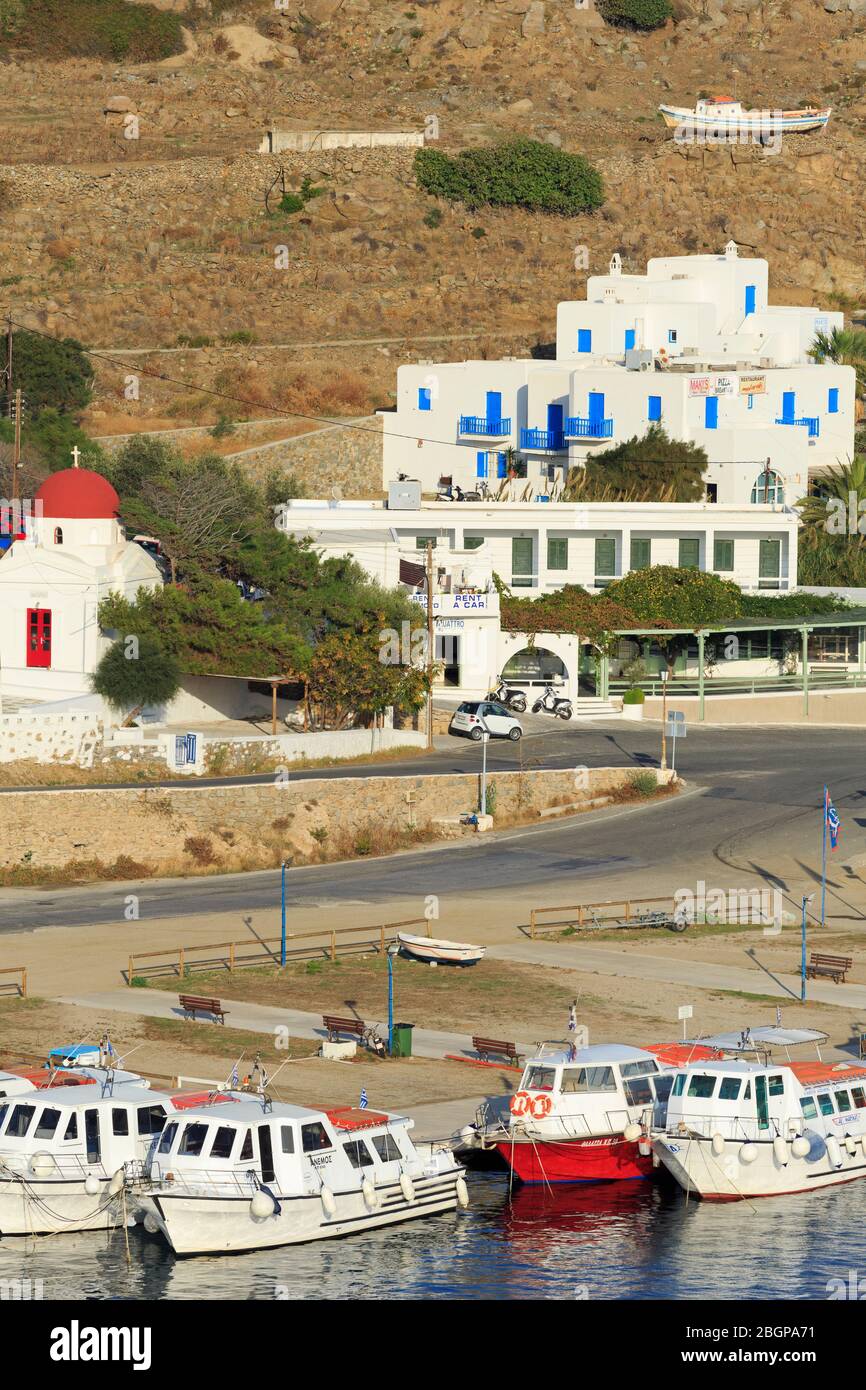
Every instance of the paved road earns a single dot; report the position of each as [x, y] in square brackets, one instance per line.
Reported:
[752, 812]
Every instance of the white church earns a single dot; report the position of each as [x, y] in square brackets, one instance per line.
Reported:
[72, 555]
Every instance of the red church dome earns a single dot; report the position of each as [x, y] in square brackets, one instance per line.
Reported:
[78, 494]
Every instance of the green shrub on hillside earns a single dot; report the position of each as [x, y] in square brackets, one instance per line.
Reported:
[637, 14]
[517, 173]
[111, 29]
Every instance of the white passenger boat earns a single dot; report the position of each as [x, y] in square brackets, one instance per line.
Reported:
[63, 1148]
[258, 1174]
[722, 116]
[439, 952]
[745, 1129]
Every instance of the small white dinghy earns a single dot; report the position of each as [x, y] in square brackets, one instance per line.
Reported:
[439, 952]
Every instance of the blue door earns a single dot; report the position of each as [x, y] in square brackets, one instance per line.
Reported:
[789, 401]
[596, 407]
[629, 339]
[481, 463]
[554, 426]
[501, 467]
[654, 407]
[750, 299]
[494, 406]
[711, 412]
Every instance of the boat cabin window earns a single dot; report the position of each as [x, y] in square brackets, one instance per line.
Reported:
[777, 1086]
[586, 1079]
[3, 1109]
[730, 1088]
[167, 1139]
[843, 1101]
[47, 1124]
[539, 1079]
[287, 1139]
[809, 1108]
[638, 1092]
[224, 1141]
[358, 1154]
[19, 1121]
[119, 1121]
[386, 1147]
[247, 1146]
[825, 1103]
[858, 1097]
[151, 1119]
[679, 1083]
[71, 1128]
[193, 1139]
[637, 1069]
[702, 1087]
[314, 1136]
[266, 1154]
[662, 1086]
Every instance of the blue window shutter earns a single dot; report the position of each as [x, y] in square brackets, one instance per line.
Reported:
[500, 466]
[494, 405]
[833, 400]
[423, 397]
[654, 407]
[751, 402]
[672, 335]
[584, 340]
[481, 464]
[629, 339]
[711, 412]
[789, 406]
[750, 299]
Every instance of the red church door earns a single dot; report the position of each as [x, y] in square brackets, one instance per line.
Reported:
[38, 636]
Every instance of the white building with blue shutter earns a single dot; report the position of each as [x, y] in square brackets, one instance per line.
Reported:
[693, 345]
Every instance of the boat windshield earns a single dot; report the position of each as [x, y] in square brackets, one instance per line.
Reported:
[539, 1079]
[587, 1079]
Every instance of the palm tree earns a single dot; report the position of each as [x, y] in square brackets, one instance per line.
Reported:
[846, 347]
[827, 512]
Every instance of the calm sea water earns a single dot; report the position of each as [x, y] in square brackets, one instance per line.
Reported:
[624, 1241]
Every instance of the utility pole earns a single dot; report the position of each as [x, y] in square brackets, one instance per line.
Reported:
[16, 454]
[430, 652]
[664, 680]
[8, 371]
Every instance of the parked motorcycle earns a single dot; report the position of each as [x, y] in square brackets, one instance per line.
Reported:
[549, 702]
[508, 695]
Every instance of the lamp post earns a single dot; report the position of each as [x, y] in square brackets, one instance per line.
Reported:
[663, 675]
[392, 951]
[485, 736]
[806, 900]
[283, 913]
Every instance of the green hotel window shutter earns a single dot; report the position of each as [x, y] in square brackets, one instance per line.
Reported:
[605, 557]
[557, 553]
[769, 560]
[421, 542]
[521, 562]
[640, 553]
[472, 542]
[690, 553]
[723, 555]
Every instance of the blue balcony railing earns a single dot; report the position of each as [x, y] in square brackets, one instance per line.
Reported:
[580, 427]
[476, 424]
[542, 439]
[812, 423]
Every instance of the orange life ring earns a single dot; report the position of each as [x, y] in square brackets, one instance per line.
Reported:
[540, 1106]
[519, 1103]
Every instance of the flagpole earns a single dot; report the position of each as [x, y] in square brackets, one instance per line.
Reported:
[824, 860]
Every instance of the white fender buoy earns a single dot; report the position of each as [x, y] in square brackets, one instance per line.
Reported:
[863, 1142]
[371, 1196]
[780, 1151]
[329, 1201]
[116, 1184]
[800, 1146]
[462, 1192]
[42, 1165]
[834, 1153]
[150, 1224]
[407, 1187]
[748, 1153]
[851, 1144]
[262, 1205]
[91, 1185]
[632, 1133]
[433, 964]
[717, 1144]
[645, 1147]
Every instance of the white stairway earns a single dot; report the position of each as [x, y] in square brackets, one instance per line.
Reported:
[594, 707]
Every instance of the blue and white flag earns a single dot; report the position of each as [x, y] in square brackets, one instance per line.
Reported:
[363, 1102]
[234, 1079]
[832, 819]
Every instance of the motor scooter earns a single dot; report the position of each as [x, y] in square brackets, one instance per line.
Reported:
[508, 695]
[549, 702]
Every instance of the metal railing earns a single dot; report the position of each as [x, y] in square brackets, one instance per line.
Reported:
[581, 427]
[542, 439]
[231, 955]
[596, 915]
[811, 423]
[477, 424]
[748, 685]
[19, 985]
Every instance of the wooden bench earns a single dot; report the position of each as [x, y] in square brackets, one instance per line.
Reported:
[485, 1046]
[355, 1027]
[193, 1004]
[836, 967]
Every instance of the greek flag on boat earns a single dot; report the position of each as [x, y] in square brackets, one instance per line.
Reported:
[833, 822]
[363, 1102]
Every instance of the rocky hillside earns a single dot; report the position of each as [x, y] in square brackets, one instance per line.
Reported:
[164, 238]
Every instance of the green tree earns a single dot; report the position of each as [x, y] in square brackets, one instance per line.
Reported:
[51, 372]
[833, 527]
[666, 596]
[635, 14]
[517, 173]
[846, 347]
[135, 671]
[649, 468]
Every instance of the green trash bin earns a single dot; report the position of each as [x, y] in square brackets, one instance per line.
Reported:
[401, 1044]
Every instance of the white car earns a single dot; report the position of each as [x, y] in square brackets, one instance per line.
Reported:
[474, 716]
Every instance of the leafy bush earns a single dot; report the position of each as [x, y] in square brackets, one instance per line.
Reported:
[517, 173]
[644, 783]
[433, 218]
[199, 848]
[652, 466]
[633, 697]
[50, 372]
[635, 14]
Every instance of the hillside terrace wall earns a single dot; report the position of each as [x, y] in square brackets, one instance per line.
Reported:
[150, 825]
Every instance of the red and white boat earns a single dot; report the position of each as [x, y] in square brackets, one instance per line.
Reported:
[583, 1115]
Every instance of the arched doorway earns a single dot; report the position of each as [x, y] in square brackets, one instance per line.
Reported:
[534, 666]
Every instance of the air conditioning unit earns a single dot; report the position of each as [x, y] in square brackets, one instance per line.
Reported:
[638, 359]
[404, 496]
